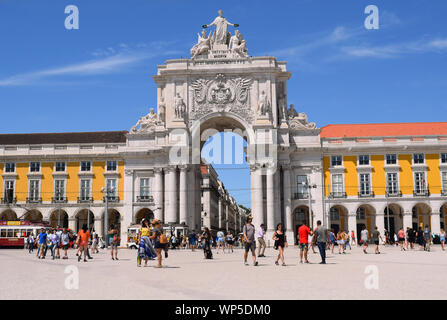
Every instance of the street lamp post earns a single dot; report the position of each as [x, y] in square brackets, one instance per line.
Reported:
[106, 191]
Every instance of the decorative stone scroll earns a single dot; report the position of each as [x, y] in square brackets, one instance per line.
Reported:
[221, 95]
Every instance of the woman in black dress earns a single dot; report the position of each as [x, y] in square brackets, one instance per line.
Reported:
[206, 237]
[280, 242]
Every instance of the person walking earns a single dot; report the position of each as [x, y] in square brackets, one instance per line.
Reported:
[30, 243]
[364, 236]
[280, 242]
[65, 240]
[411, 237]
[82, 241]
[322, 237]
[114, 241]
[332, 240]
[260, 233]
[375, 235]
[401, 236]
[192, 240]
[160, 241]
[230, 242]
[42, 240]
[340, 242]
[346, 240]
[206, 238]
[303, 240]
[427, 238]
[56, 242]
[95, 243]
[442, 239]
[146, 250]
[250, 244]
[353, 237]
[220, 241]
[420, 238]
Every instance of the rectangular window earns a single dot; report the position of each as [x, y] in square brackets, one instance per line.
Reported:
[365, 185]
[391, 183]
[10, 167]
[111, 166]
[363, 160]
[336, 161]
[144, 188]
[59, 190]
[418, 158]
[86, 166]
[334, 214]
[301, 186]
[444, 181]
[391, 159]
[60, 167]
[443, 157]
[337, 184]
[9, 191]
[34, 167]
[34, 190]
[85, 190]
[111, 188]
[419, 182]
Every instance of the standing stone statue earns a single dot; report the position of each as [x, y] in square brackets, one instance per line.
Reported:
[162, 110]
[282, 106]
[263, 104]
[179, 106]
[220, 36]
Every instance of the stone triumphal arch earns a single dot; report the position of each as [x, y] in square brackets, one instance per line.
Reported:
[221, 87]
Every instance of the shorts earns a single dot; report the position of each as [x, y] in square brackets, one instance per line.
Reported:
[250, 246]
[304, 246]
[230, 242]
[42, 246]
[340, 242]
[376, 242]
[65, 246]
[401, 239]
[220, 240]
[159, 245]
[442, 239]
[114, 245]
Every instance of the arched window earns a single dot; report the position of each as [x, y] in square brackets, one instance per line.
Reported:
[335, 214]
[361, 213]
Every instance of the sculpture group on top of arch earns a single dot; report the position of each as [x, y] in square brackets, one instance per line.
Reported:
[220, 43]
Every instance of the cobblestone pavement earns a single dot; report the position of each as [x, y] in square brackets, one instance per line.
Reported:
[186, 275]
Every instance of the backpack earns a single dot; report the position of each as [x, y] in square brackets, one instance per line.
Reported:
[163, 239]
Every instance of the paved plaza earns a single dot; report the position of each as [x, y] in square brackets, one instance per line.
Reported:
[186, 275]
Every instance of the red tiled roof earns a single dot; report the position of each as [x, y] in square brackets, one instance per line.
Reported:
[384, 129]
[63, 138]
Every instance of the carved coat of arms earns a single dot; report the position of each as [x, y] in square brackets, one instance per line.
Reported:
[221, 94]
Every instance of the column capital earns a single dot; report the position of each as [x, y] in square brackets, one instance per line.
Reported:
[286, 167]
[183, 167]
[128, 172]
[158, 170]
[170, 168]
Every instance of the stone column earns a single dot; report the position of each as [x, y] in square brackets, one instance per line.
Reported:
[220, 212]
[158, 194]
[380, 223]
[288, 218]
[191, 194]
[227, 217]
[270, 202]
[277, 196]
[256, 196]
[407, 220]
[183, 196]
[352, 224]
[72, 225]
[435, 222]
[171, 195]
[98, 226]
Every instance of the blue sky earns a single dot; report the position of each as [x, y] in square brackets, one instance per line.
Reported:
[100, 76]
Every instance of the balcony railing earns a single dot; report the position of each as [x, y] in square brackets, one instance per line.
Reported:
[59, 200]
[394, 194]
[368, 194]
[111, 199]
[33, 200]
[85, 199]
[299, 195]
[421, 193]
[9, 200]
[145, 199]
[337, 195]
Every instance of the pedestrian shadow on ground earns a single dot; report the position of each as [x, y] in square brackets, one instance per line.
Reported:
[166, 267]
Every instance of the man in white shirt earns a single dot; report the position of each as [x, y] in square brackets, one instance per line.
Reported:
[260, 235]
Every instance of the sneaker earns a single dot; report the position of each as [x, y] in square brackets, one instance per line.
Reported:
[79, 258]
[246, 263]
[256, 263]
[301, 262]
[307, 261]
[323, 262]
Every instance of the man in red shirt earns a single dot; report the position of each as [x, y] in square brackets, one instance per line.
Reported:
[303, 236]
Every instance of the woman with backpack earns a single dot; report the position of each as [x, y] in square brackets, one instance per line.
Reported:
[161, 241]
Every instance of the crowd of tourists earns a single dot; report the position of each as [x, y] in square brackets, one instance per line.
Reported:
[153, 242]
